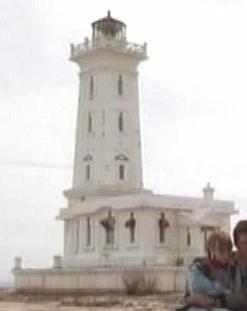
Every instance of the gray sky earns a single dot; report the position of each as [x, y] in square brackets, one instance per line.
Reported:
[193, 107]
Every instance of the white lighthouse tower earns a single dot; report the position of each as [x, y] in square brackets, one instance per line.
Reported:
[108, 143]
[108, 210]
[112, 225]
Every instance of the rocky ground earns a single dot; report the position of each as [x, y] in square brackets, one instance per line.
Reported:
[10, 301]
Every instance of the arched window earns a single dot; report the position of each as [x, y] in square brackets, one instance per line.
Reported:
[120, 122]
[88, 172]
[121, 172]
[120, 85]
[90, 123]
[88, 231]
[91, 88]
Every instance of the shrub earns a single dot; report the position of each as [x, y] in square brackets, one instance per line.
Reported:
[138, 283]
[179, 261]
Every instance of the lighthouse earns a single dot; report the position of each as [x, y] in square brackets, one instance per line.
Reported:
[114, 228]
[108, 141]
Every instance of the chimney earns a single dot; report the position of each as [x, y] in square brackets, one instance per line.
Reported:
[17, 263]
[208, 193]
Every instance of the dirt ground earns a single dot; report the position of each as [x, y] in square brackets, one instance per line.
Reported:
[12, 302]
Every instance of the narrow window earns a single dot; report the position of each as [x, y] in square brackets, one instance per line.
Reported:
[161, 229]
[188, 239]
[163, 225]
[121, 171]
[120, 122]
[66, 235]
[88, 231]
[90, 123]
[88, 172]
[120, 85]
[77, 235]
[132, 234]
[131, 224]
[91, 88]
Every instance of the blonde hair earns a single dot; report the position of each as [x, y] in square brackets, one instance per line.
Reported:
[220, 240]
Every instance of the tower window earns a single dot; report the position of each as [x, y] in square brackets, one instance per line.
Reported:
[121, 171]
[88, 172]
[77, 235]
[90, 123]
[91, 88]
[120, 122]
[120, 85]
[88, 231]
[188, 237]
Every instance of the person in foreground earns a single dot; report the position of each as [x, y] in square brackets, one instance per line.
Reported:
[237, 299]
[209, 279]
[230, 295]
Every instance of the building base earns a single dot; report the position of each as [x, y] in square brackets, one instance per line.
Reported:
[100, 280]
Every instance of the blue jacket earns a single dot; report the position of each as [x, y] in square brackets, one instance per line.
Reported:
[201, 280]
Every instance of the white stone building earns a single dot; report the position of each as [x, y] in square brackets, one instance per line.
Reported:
[112, 225]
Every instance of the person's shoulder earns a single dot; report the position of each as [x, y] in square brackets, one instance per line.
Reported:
[202, 265]
[200, 261]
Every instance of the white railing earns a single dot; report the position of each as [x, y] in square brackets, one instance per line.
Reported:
[117, 45]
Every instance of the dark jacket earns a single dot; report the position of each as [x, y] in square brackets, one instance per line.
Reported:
[237, 299]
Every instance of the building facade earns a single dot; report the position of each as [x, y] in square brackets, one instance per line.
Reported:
[112, 225]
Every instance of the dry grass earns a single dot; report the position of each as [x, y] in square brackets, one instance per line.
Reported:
[10, 301]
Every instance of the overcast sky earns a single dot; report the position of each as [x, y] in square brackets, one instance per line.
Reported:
[193, 93]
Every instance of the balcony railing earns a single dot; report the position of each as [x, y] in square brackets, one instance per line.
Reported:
[109, 44]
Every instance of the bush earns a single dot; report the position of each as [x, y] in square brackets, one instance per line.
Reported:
[179, 261]
[139, 283]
